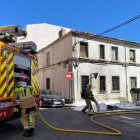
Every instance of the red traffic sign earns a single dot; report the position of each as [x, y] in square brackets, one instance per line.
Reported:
[68, 75]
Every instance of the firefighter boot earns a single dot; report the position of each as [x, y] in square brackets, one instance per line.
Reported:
[26, 133]
[31, 132]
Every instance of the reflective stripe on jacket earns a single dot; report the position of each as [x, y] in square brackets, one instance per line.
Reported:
[26, 97]
[24, 92]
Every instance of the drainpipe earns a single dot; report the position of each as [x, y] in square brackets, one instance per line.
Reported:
[75, 66]
[43, 72]
[126, 74]
[52, 68]
[70, 82]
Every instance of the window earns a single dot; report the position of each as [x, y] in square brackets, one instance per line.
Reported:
[102, 83]
[102, 52]
[83, 49]
[133, 82]
[115, 83]
[114, 53]
[47, 83]
[47, 59]
[132, 56]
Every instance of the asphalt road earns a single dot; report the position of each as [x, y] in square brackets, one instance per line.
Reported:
[70, 119]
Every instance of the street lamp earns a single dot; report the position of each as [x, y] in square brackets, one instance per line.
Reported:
[93, 75]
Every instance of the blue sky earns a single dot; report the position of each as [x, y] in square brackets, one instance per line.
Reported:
[85, 15]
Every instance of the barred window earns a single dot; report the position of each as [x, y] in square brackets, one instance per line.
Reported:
[133, 82]
[114, 53]
[102, 52]
[132, 56]
[115, 83]
[102, 83]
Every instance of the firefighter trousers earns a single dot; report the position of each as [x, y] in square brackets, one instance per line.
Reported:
[28, 118]
[88, 105]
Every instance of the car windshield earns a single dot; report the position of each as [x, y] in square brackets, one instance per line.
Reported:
[48, 92]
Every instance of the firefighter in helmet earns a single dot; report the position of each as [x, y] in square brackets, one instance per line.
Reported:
[86, 94]
[27, 104]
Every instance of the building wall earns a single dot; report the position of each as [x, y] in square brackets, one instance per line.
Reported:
[107, 70]
[42, 34]
[62, 50]
[133, 72]
[56, 72]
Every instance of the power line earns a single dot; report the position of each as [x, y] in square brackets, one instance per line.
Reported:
[112, 28]
[120, 25]
[104, 32]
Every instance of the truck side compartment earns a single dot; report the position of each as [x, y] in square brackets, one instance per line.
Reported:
[12, 61]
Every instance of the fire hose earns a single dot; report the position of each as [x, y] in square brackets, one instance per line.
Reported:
[114, 132]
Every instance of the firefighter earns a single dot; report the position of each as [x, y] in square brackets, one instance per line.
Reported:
[87, 94]
[27, 105]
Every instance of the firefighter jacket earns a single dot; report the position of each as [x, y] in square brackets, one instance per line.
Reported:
[26, 97]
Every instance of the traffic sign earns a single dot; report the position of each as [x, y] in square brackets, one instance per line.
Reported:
[68, 75]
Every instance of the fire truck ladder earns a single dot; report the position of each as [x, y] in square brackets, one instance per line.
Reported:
[10, 33]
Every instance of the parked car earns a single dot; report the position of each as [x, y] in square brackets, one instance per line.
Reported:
[50, 98]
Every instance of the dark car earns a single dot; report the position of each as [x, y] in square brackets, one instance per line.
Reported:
[50, 98]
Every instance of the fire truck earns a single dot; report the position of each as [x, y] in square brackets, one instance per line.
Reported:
[14, 58]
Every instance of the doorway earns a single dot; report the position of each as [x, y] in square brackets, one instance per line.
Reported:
[84, 81]
[47, 83]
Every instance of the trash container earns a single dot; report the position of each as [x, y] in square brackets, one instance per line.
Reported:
[135, 94]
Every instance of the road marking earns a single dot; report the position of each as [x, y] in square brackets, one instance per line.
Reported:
[130, 122]
[126, 117]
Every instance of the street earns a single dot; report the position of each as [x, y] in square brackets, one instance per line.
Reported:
[67, 118]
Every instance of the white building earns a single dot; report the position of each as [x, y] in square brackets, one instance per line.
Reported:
[116, 61]
[43, 34]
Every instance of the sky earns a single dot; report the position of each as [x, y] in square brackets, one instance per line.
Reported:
[93, 16]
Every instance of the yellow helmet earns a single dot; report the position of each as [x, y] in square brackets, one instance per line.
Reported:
[88, 85]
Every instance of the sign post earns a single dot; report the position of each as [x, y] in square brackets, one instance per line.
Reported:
[68, 76]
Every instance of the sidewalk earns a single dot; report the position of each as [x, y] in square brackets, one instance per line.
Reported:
[105, 105]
